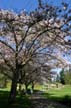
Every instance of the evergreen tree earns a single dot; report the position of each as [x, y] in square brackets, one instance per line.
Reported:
[62, 78]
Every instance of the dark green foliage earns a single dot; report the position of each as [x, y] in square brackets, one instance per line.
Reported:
[62, 77]
[68, 77]
[57, 78]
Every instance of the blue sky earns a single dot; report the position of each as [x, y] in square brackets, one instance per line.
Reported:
[18, 5]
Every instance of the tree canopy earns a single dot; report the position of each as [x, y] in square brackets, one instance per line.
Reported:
[33, 38]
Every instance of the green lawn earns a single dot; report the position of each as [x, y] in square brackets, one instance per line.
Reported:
[57, 95]
[61, 95]
[65, 91]
[21, 102]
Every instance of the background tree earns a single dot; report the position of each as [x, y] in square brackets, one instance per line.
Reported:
[67, 77]
[62, 76]
[58, 78]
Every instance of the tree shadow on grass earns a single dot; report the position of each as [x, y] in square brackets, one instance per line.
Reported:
[65, 100]
[4, 98]
[40, 99]
[46, 99]
[21, 102]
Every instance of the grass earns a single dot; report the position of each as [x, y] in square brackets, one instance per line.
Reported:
[59, 96]
[61, 92]
[62, 95]
[21, 102]
[38, 87]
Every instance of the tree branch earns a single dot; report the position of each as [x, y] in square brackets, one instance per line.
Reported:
[7, 45]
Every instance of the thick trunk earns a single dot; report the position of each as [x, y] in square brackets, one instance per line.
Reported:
[13, 91]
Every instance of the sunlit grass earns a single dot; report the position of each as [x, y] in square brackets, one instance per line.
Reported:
[38, 87]
[62, 94]
[5, 89]
[66, 90]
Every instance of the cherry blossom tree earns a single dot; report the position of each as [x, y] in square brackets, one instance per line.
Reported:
[24, 37]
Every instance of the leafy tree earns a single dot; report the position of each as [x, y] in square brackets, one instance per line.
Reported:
[24, 37]
[58, 78]
[62, 76]
[67, 77]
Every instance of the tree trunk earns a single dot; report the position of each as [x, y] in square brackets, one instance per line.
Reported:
[32, 87]
[26, 87]
[5, 82]
[20, 88]
[13, 92]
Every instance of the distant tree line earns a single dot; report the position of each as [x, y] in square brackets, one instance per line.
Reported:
[64, 77]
